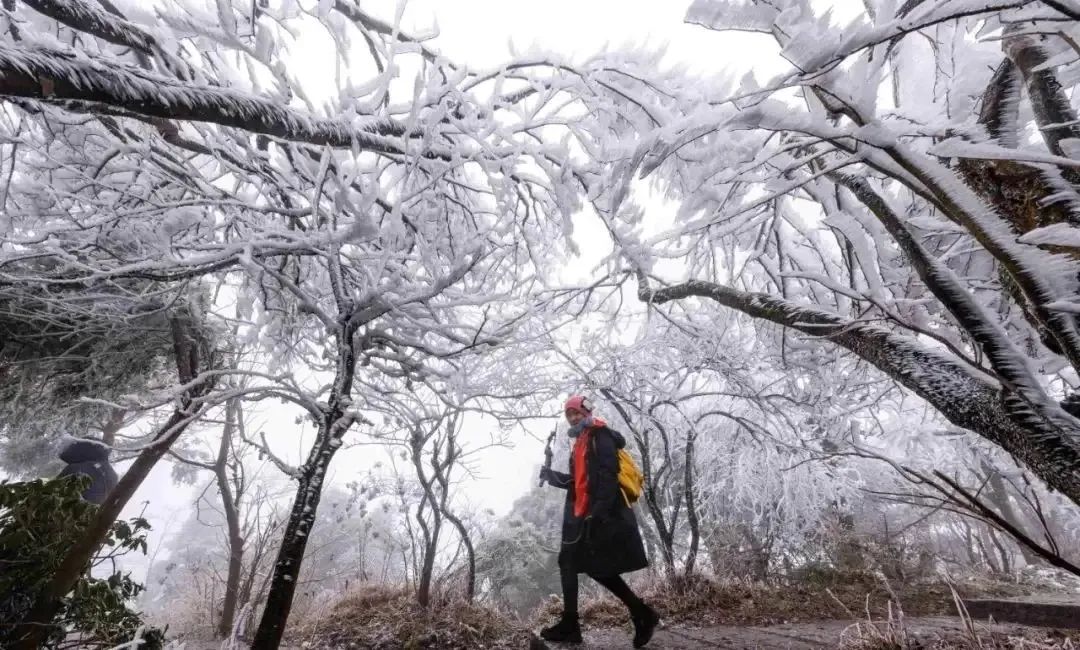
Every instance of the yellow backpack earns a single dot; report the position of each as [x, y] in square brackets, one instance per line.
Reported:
[631, 480]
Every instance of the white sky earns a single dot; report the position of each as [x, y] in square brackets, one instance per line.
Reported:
[479, 33]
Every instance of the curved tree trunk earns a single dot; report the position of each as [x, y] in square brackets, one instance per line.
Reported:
[431, 534]
[470, 554]
[427, 564]
[442, 476]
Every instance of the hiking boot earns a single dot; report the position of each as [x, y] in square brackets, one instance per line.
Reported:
[645, 623]
[567, 630]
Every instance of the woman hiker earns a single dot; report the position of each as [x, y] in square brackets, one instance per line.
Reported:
[600, 536]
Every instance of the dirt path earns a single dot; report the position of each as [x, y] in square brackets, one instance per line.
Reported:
[800, 636]
[794, 636]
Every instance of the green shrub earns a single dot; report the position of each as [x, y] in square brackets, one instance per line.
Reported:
[39, 521]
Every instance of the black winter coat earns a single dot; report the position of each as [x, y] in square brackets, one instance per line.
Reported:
[90, 458]
[606, 542]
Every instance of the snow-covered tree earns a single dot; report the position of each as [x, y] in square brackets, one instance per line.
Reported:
[904, 191]
[374, 234]
[517, 559]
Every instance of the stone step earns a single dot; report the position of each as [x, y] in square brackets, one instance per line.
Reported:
[1041, 614]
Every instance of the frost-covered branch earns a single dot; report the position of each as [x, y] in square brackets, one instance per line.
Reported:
[85, 17]
[1007, 360]
[1045, 439]
[981, 509]
[366, 20]
[264, 450]
[50, 74]
[964, 501]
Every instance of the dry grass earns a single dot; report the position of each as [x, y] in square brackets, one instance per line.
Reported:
[385, 618]
[892, 633]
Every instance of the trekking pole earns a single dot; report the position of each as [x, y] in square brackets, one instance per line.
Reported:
[547, 453]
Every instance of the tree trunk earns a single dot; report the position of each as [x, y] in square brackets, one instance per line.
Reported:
[654, 503]
[664, 537]
[335, 423]
[431, 538]
[294, 543]
[32, 629]
[655, 481]
[232, 521]
[691, 505]
[427, 569]
[1003, 552]
[255, 558]
[470, 554]
[441, 472]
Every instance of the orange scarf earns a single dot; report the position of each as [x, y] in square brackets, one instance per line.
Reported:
[581, 470]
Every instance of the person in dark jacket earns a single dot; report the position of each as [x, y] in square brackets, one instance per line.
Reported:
[600, 535]
[89, 458]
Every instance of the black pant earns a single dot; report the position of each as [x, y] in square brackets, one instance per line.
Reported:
[615, 584]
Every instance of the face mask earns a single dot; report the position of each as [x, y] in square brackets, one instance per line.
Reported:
[576, 430]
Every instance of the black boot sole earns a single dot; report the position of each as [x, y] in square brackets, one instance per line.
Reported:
[573, 640]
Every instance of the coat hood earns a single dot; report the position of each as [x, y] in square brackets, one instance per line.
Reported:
[84, 451]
